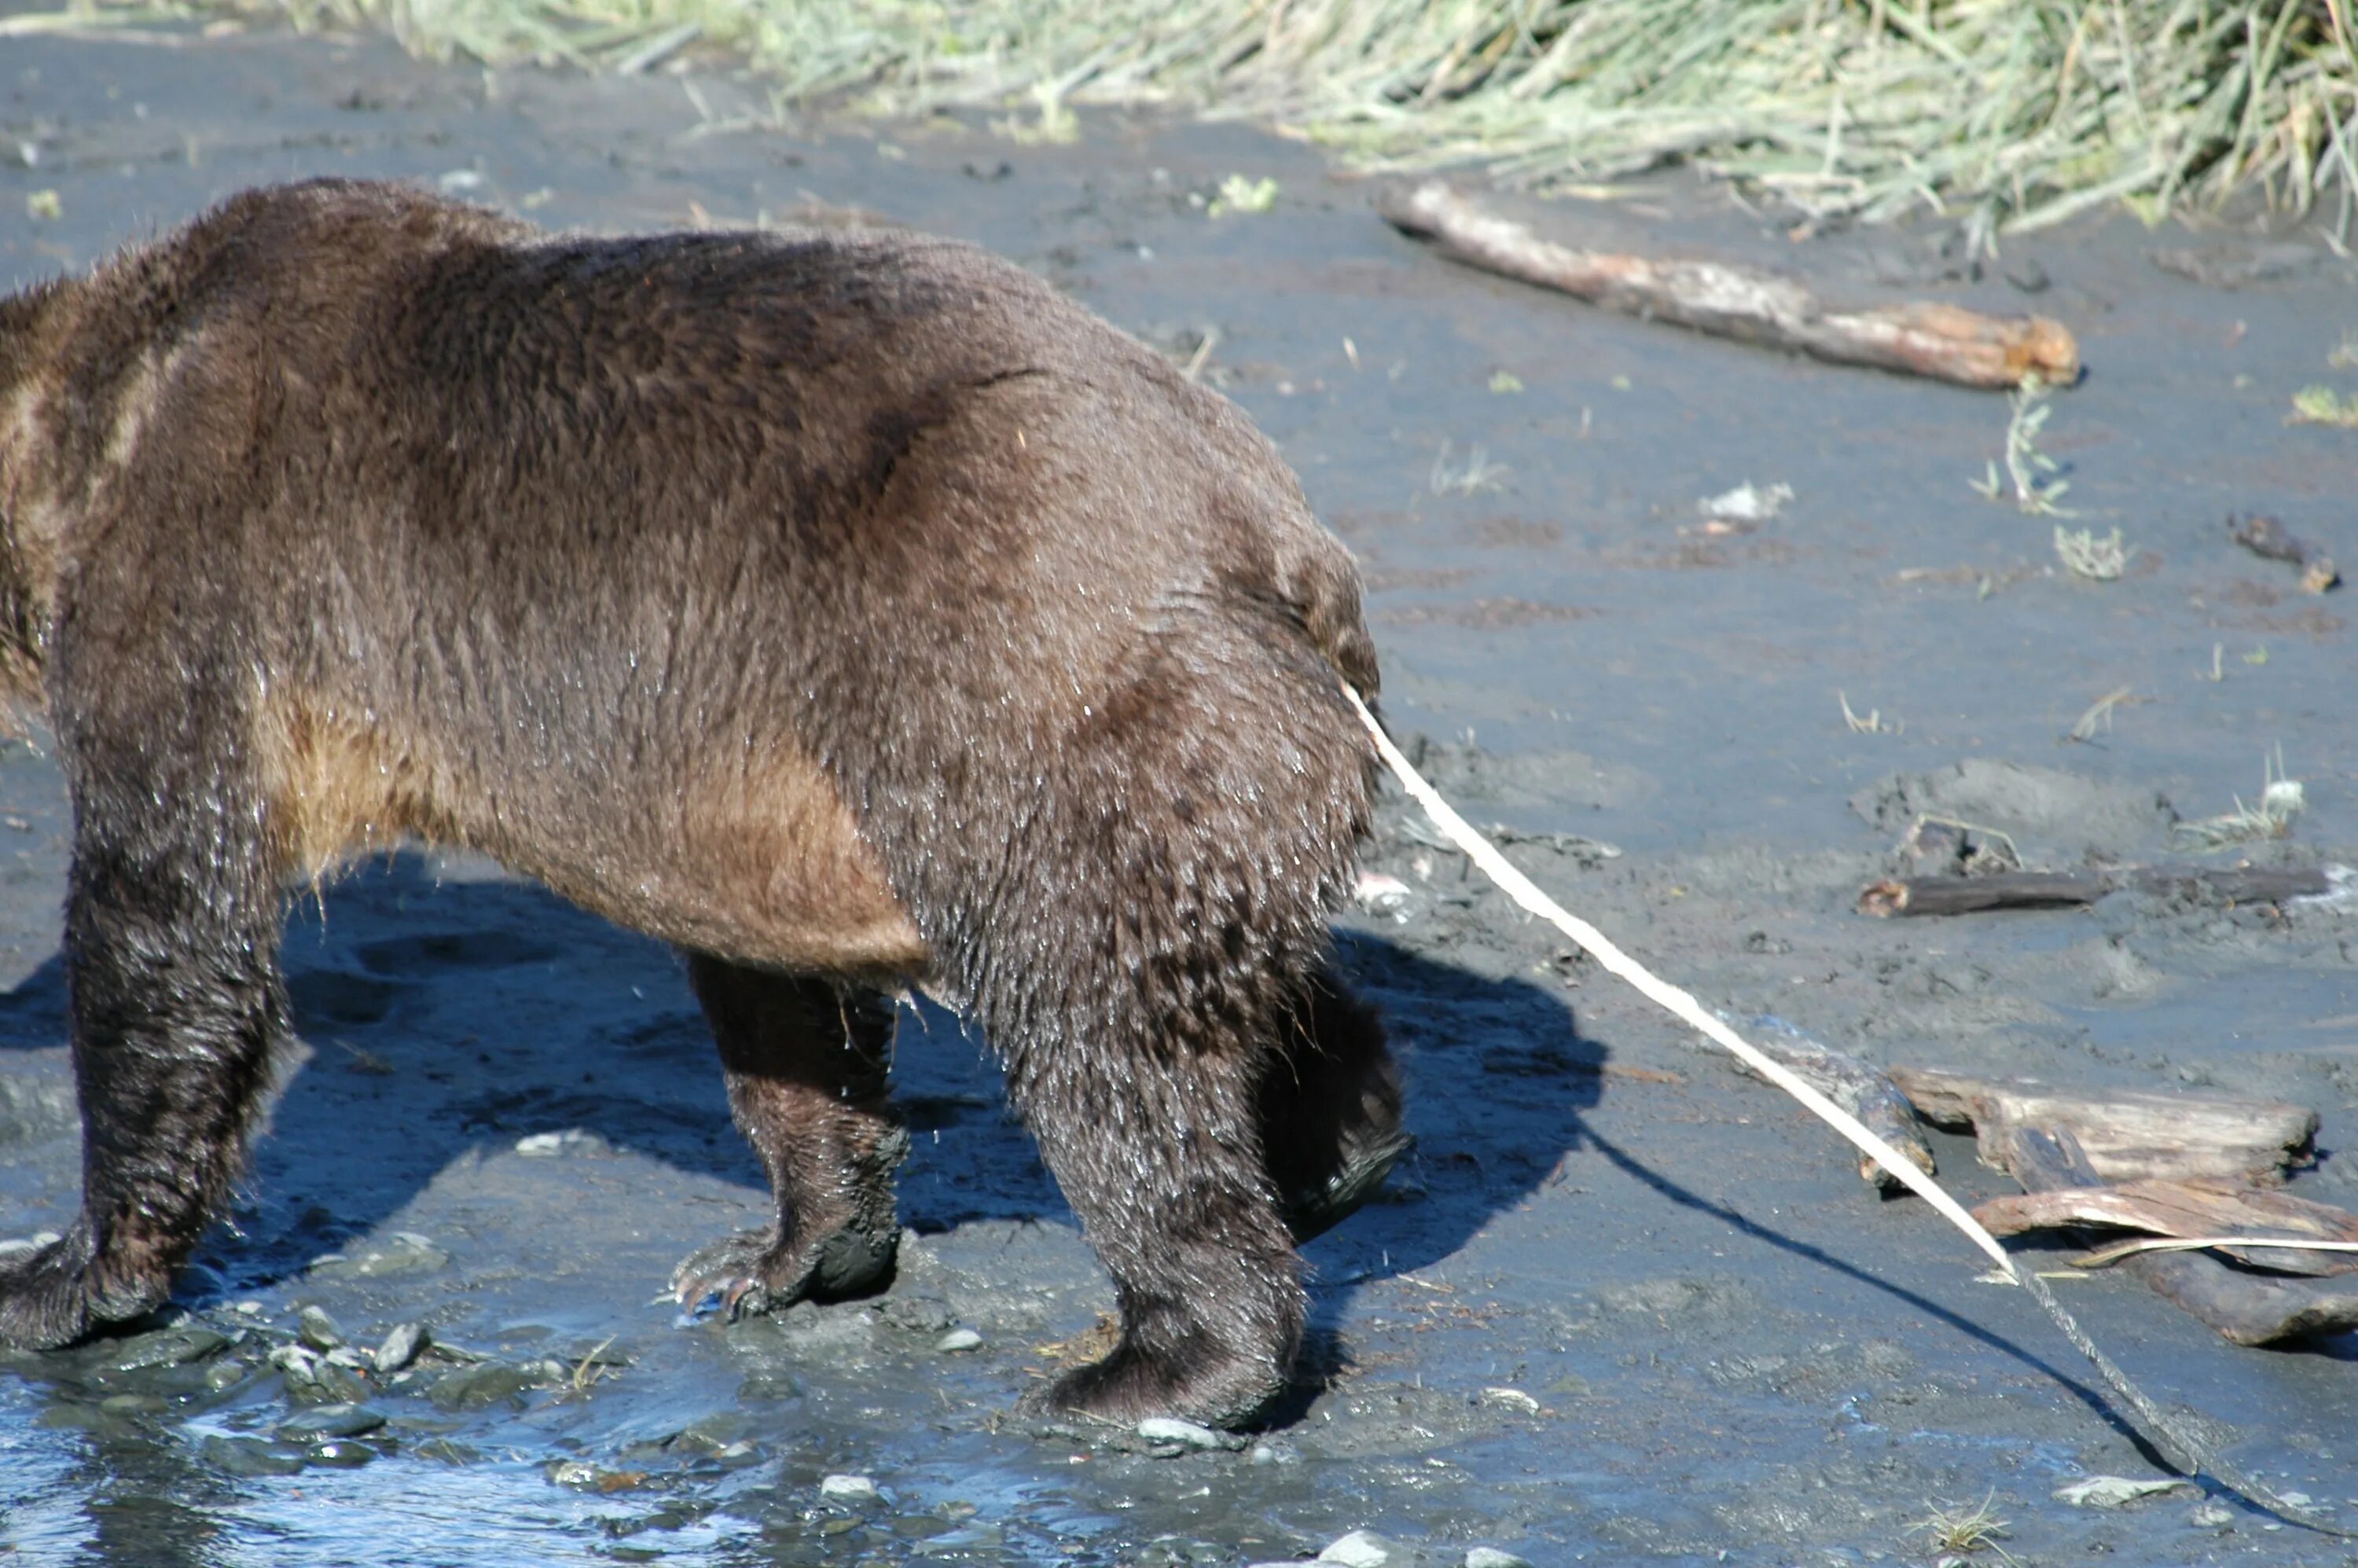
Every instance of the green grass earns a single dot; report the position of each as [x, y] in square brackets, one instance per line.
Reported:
[2011, 113]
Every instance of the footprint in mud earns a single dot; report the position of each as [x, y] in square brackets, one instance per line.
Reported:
[336, 998]
[453, 950]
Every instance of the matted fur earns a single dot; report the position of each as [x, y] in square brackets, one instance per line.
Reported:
[843, 608]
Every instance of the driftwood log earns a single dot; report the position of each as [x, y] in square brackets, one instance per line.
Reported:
[1859, 1088]
[2271, 540]
[2245, 1308]
[1944, 342]
[2057, 890]
[2196, 1206]
[2125, 1135]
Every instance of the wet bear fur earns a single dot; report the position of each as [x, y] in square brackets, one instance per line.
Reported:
[849, 611]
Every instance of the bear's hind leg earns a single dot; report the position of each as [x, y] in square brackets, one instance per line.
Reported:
[806, 1061]
[1158, 1151]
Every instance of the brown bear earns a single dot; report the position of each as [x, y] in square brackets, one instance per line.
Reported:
[849, 609]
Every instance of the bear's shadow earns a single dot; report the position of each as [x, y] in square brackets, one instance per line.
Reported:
[447, 1008]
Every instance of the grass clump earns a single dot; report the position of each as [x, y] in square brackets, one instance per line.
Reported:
[2014, 113]
[1953, 1528]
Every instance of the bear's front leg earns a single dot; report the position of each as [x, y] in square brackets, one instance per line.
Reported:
[808, 1061]
[1330, 1108]
[173, 914]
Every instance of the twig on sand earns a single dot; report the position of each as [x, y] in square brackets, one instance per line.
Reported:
[1942, 341]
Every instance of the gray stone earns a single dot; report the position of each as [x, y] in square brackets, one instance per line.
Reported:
[315, 1328]
[332, 1421]
[474, 1387]
[849, 1489]
[164, 1347]
[1360, 1549]
[1186, 1433]
[401, 1346]
[251, 1455]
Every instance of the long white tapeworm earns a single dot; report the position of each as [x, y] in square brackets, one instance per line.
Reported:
[2164, 1432]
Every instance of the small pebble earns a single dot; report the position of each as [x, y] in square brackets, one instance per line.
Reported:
[1491, 1557]
[1187, 1433]
[315, 1328]
[848, 1488]
[401, 1346]
[1360, 1549]
[959, 1339]
[299, 1364]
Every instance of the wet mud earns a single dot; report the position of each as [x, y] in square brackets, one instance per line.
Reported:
[1621, 1305]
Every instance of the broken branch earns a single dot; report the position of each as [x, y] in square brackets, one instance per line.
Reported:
[2246, 1309]
[1858, 1087]
[2055, 889]
[1944, 342]
[2125, 1135]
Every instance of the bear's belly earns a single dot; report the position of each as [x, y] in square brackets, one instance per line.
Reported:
[753, 856]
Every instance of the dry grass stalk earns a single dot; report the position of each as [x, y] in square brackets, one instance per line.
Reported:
[2281, 800]
[2099, 717]
[1872, 724]
[2012, 116]
[2084, 554]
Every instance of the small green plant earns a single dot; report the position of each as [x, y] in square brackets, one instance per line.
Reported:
[2323, 405]
[2027, 467]
[1238, 194]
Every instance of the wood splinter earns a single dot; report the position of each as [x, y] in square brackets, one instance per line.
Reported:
[1945, 342]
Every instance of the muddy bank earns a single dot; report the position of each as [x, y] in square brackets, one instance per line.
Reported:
[1621, 1305]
